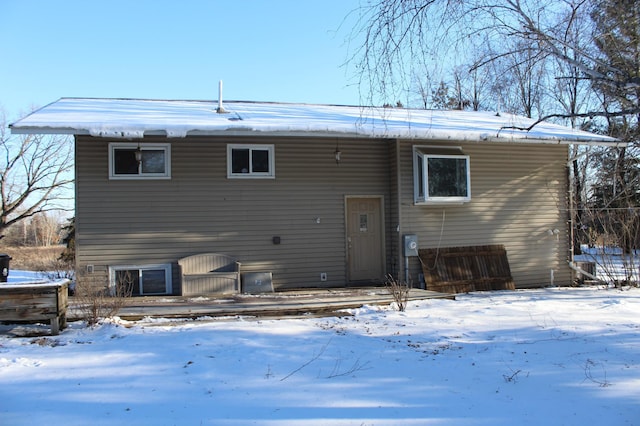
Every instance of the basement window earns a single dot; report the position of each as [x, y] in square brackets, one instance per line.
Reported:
[441, 175]
[140, 280]
[250, 161]
[154, 161]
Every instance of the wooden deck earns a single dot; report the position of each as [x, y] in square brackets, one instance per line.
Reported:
[35, 302]
[279, 304]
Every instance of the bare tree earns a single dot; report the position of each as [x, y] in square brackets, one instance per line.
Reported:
[46, 228]
[36, 174]
[423, 91]
[530, 72]
[392, 35]
[575, 61]
[480, 82]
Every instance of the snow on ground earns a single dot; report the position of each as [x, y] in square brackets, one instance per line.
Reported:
[567, 356]
[611, 263]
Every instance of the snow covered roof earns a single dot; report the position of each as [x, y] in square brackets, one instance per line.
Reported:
[135, 118]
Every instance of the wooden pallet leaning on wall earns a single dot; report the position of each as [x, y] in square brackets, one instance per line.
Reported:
[465, 269]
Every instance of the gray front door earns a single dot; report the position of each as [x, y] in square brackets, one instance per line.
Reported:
[365, 239]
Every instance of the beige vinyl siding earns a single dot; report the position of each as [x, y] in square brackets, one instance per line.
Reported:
[518, 195]
[137, 222]
[394, 238]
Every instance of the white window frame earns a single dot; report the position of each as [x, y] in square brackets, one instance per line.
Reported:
[271, 174]
[421, 155]
[166, 147]
[167, 276]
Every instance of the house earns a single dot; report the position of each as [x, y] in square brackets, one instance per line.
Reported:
[316, 195]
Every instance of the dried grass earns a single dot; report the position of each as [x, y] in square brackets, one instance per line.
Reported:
[32, 258]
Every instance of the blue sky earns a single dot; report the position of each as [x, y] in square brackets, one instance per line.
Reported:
[263, 50]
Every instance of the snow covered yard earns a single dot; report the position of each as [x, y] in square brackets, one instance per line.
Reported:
[566, 356]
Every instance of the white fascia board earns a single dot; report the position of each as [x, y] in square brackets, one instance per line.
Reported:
[46, 131]
[319, 134]
[289, 133]
[542, 141]
[231, 132]
[20, 130]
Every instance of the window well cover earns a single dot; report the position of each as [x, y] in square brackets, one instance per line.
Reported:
[257, 282]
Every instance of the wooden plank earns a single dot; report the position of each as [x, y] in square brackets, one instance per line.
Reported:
[55, 326]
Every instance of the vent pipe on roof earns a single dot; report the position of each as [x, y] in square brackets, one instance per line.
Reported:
[220, 109]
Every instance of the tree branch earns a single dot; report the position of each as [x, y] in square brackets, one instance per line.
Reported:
[34, 171]
[574, 115]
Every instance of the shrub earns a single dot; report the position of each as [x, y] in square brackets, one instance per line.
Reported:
[399, 291]
[96, 301]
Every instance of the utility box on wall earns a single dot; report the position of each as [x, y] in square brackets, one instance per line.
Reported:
[410, 245]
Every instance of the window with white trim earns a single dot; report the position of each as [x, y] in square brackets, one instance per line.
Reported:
[250, 161]
[139, 161]
[140, 280]
[441, 175]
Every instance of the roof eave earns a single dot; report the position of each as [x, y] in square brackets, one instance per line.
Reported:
[558, 141]
[22, 130]
[277, 133]
[30, 130]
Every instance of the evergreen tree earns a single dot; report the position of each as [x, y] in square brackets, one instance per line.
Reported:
[617, 186]
[69, 253]
[617, 38]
